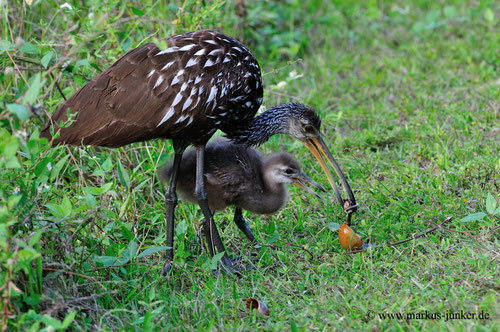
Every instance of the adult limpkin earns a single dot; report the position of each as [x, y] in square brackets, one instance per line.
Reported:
[237, 175]
[202, 81]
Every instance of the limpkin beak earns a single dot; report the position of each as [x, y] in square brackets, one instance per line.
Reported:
[299, 182]
[319, 149]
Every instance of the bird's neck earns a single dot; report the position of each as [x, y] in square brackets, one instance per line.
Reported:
[258, 131]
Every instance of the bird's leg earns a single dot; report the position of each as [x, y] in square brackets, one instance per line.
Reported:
[243, 226]
[170, 203]
[212, 236]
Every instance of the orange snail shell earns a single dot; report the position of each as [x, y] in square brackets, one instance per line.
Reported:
[348, 239]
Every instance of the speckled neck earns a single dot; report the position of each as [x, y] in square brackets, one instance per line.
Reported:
[258, 131]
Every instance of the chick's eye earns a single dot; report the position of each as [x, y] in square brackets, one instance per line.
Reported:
[289, 171]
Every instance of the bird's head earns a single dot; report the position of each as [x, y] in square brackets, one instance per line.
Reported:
[283, 168]
[304, 124]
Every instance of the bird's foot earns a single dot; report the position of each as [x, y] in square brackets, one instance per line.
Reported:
[233, 266]
[166, 269]
[240, 260]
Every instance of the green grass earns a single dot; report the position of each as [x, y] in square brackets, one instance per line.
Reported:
[409, 96]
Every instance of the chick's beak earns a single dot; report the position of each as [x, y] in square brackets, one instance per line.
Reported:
[319, 149]
[301, 178]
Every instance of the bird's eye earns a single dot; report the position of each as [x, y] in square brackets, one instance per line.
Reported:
[309, 128]
[289, 171]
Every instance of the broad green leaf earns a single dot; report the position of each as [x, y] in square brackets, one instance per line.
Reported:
[497, 211]
[450, 11]
[10, 145]
[12, 163]
[13, 201]
[137, 11]
[42, 167]
[57, 211]
[68, 319]
[132, 249]
[98, 191]
[81, 63]
[31, 95]
[107, 165]
[19, 110]
[123, 175]
[218, 257]
[127, 234]
[90, 200]
[5, 45]
[124, 207]
[473, 217]
[491, 204]
[25, 256]
[105, 260]
[273, 238]
[46, 59]
[29, 48]
[214, 261]
[35, 238]
[333, 226]
[57, 168]
[11, 148]
[66, 206]
[49, 321]
[489, 16]
[181, 227]
[152, 250]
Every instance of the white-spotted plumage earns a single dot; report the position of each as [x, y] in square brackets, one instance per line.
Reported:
[181, 118]
[168, 65]
[158, 81]
[215, 51]
[177, 99]
[200, 52]
[213, 92]
[168, 50]
[167, 116]
[208, 63]
[186, 48]
[175, 80]
[149, 89]
[187, 103]
[192, 62]
[195, 75]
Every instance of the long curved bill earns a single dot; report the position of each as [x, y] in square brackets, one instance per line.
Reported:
[299, 182]
[319, 149]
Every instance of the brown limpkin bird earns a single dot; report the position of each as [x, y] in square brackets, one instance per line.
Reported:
[237, 175]
[202, 81]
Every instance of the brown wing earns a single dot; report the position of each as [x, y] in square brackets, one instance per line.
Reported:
[201, 82]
